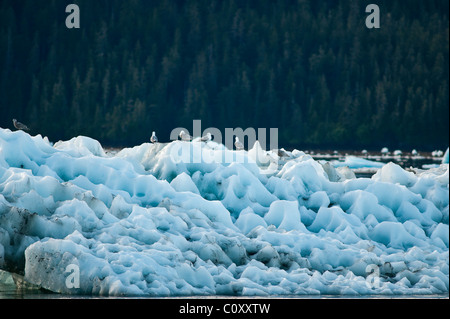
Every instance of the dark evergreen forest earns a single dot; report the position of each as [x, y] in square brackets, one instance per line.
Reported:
[310, 68]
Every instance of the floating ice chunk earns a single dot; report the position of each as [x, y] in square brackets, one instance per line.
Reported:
[445, 158]
[439, 174]
[54, 256]
[331, 172]
[345, 173]
[6, 279]
[354, 162]
[437, 153]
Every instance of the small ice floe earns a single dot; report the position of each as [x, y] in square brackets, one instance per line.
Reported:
[445, 158]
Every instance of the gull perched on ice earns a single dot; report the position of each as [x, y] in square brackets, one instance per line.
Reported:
[184, 136]
[283, 153]
[153, 139]
[239, 145]
[20, 126]
[206, 138]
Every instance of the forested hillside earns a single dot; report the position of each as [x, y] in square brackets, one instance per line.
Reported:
[310, 68]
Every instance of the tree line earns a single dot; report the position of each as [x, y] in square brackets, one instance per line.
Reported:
[310, 68]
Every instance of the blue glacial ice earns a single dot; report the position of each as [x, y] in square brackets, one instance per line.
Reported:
[194, 218]
[445, 158]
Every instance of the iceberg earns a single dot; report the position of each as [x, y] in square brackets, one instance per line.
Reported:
[190, 218]
[445, 158]
[354, 162]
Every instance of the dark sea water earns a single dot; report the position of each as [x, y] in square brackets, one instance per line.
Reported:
[405, 160]
[13, 292]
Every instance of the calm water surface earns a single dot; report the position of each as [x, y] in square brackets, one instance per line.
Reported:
[11, 292]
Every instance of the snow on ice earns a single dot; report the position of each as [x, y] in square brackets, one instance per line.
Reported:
[194, 218]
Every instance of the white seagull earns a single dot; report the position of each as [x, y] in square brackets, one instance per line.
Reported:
[20, 126]
[206, 138]
[153, 139]
[282, 153]
[239, 145]
[184, 136]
